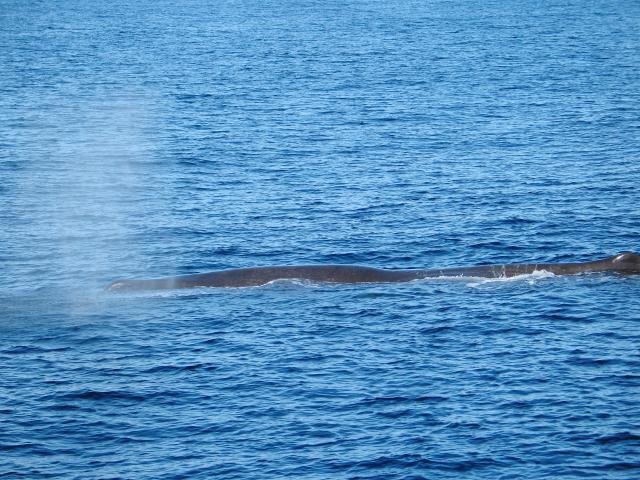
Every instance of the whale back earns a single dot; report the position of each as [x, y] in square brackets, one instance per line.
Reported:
[625, 262]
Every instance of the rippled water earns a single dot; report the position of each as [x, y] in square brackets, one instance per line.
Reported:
[177, 137]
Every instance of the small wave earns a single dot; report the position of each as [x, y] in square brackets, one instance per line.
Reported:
[33, 449]
[8, 447]
[62, 407]
[435, 329]
[207, 367]
[109, 395]
[411, 460]
[23, 349]
[620, 466]
[402, 399]
[515, 220]
[593, 362]
[127, 439]
[618, 438]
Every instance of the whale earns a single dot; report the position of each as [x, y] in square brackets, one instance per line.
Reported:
[624, 263]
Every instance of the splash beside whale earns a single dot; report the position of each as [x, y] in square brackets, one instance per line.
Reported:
[623, 263]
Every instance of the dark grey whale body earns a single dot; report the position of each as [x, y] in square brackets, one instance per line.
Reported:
[623, 263]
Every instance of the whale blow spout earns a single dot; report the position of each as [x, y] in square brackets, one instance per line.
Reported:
[624, 263]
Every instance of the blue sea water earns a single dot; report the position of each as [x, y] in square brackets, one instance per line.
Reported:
[157, 138]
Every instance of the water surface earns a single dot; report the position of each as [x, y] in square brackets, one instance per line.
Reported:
[170, 138]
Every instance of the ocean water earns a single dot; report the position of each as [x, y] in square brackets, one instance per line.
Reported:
[158, 138]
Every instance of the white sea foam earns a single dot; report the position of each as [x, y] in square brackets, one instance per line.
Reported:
[530, 278]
